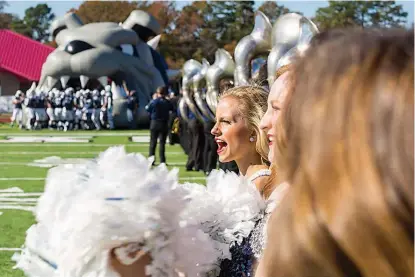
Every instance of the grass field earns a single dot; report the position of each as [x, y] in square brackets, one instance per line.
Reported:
[15, 171]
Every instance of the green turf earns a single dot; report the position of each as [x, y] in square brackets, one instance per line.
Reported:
[6, 265]
[14, 160]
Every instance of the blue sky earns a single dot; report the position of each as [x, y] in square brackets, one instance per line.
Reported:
[308, 8]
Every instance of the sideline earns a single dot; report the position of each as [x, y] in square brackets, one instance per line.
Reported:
[21, 208]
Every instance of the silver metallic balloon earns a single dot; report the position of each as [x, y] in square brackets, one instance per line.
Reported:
[199, 90]
[291, 55]
[190, 69]
[256, 43]
[223, 67]
[290, 30]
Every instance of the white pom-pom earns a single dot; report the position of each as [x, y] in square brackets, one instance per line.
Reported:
[227, 208]
[116, 199]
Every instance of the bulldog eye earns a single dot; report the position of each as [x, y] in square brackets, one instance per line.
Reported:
[128, 49]
[77, 46]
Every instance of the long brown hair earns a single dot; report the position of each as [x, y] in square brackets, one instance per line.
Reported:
[275, 178]
[350, 162]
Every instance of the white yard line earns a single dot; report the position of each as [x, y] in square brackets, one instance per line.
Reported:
[13, 189]
[21, 194]
[14, 163]
[192, 178]
[45, 140]
[177, 164]
[22, 179]
[49, 135]
[17, 200]
[10, 249]
[21, 208]
[17, 204]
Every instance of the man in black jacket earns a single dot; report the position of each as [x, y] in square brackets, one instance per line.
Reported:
[159, 109]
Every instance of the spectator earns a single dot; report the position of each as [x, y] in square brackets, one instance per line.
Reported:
[159, 110]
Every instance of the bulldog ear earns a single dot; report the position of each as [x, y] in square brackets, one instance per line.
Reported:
[154, 42]
[144, 24]
[68, 21]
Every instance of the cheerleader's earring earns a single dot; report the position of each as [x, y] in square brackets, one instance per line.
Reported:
[251, 139]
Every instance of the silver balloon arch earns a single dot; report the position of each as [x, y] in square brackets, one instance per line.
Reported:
[280, 43]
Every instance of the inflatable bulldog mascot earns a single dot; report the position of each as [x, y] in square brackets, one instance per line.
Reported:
[95, 55]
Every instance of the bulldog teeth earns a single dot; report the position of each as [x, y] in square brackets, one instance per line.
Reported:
[84, 80]
[64, 81]
[51, 82]
[103, 80]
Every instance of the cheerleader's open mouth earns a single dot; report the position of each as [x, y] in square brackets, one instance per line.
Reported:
[221, 146]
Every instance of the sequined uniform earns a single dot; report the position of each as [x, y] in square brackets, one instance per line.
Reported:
[245, 254]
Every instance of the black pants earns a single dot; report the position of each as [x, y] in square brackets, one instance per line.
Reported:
[196, 143]
[184, 136]
[158, 129]
[210, 156]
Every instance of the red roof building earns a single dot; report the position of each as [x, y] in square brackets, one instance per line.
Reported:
[21, 60]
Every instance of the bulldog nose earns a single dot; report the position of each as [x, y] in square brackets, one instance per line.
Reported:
[77, 46]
